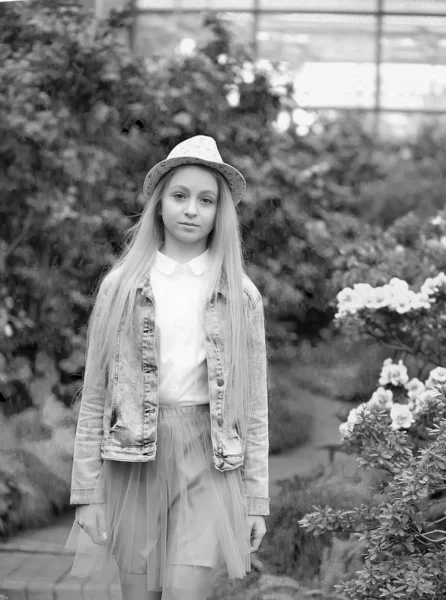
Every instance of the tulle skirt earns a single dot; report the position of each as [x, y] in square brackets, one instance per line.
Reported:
[176, 522]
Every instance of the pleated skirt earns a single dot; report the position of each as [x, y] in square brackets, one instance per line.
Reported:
[175, 522]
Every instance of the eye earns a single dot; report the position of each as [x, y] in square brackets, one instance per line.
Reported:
[179, 194]
[207, 200]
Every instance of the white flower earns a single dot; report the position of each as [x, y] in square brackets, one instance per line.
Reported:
[421, 300]
[347, 301]
[399, 284]
[433, 285]
[436, 377]
[421, 403]
[414, 387]
[437, 220]
[353, 417]
[381, 399]
[350, 300]
[396, 374]
[401, 416]
[429, 286]
[399, 295]
[379, 298]
[363, 289]
[345, 430]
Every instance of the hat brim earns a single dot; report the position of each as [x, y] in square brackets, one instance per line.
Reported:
[235, 180]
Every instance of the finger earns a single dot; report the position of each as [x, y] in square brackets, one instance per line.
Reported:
[92, 531]
[256, 540]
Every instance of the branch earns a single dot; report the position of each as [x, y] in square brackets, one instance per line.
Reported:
[22, 235]
[437, 541]
[400, 348]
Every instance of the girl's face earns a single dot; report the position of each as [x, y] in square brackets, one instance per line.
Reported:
[189, 207]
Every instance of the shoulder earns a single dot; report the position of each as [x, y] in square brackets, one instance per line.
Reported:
[250, 291]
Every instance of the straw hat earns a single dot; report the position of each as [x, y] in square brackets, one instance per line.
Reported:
[197, 150]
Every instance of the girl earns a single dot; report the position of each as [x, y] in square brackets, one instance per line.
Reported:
[170, 469]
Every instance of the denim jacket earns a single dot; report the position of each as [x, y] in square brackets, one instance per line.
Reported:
[118, 417]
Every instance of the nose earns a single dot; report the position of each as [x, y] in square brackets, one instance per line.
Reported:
[191, 208]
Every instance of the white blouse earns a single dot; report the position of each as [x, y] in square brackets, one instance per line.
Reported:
[180, 339]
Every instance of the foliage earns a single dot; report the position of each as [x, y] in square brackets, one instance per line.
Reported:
[82, 120]
[405, 552]
[35, 472]
[401, 434]
[337, 366]
[288, 549]
[412, 249]
[290, 414]
[407, 321]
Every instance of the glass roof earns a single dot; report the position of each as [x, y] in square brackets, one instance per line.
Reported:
[418, 6]
[332, 54]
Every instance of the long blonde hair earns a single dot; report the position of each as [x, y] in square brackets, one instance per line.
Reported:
[141, 242]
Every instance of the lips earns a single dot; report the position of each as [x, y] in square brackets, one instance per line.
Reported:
[189, 224]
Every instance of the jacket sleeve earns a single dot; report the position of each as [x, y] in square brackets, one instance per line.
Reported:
[255, 467]
[87, 459]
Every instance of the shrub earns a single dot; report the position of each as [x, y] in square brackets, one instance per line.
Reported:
[290, 550]
[290, 413]
[400, 433]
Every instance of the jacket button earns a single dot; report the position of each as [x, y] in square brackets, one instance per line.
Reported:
[220, 382]
[220, 421]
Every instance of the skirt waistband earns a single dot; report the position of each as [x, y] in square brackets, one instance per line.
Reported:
[178, 410]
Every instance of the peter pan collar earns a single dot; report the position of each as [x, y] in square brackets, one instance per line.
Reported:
[197, 265]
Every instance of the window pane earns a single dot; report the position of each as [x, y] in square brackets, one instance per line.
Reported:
[196, 4]
[407, 124]
[414, 57]
[419, 6]
[334, 5]
[161, 33]
[331, 56]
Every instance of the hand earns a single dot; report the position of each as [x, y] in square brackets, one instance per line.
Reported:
[257, 529]
[91, 517]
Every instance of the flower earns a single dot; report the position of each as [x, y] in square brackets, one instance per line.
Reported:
[350, 300]
[423, 402]
[345, 430]
[399, 284]
[395, 296]
[347, 301]
[396, 374]
[378, 298]
[401, 416]
[436, 378]
[414, 387]
[354, 415]
[433, 284]
[381, 399]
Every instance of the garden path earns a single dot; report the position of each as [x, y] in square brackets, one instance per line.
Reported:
[33, 565]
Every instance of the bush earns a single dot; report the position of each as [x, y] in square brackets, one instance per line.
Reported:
[400, 433]
[73, 164]
[290, 550]
[338, 367]
[35, 472]
[290, 413]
